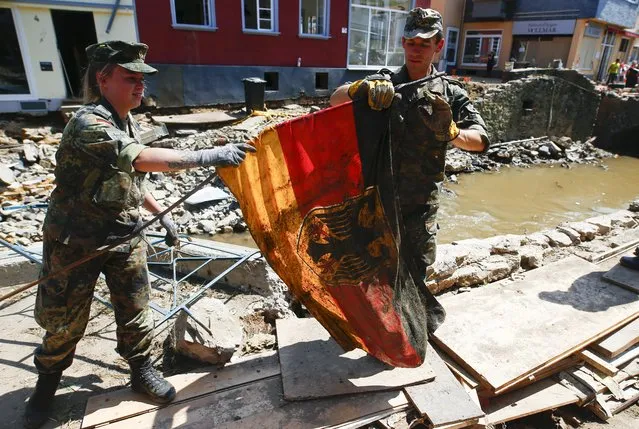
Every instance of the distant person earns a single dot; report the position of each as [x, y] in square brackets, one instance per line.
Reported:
[613, 72]
[490, 64]
[631, 75]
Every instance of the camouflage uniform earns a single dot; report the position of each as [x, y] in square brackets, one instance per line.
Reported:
[96, 199]
[419, 160]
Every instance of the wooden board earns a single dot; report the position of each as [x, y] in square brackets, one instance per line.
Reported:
[619, 341]
[503, 333]
[598, 362]
[625, 357]
[624, 277]
[124, 403]
[260, 405]
[315, 366]
[203, 118]
[544, 395]
[444, 401]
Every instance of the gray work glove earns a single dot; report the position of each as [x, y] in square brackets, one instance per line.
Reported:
[171, 238]
[229, 155]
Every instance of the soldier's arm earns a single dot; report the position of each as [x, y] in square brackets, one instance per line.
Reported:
[340, 96]
[473, 136]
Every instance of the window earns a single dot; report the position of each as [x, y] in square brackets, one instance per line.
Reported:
[272, 81]
[314, 17]
[479, 44]
[452, 36]
[321, 80]
[376, 30]
[623, 46]
[13, 77]
[260, 15]
[193, 13]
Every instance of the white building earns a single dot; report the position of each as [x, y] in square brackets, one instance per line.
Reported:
[42, 44]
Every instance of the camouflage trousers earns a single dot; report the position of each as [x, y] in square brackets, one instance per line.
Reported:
[421, 234]
[63, 303]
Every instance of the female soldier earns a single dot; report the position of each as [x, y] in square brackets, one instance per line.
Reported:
[100, 170]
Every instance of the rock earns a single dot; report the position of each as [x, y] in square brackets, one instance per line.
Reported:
[537, 239]
[30, 152]
[469, 275]
[185, 133]
[158, 194]
[6, 175]
[634, 206]
[471, 250]
[557, 238]
[207, 225]
[229, 221]
[587, 231]
[531, 256]
[251, 123]
[603, 223]
[314, 109]
[206, 195]
[216, 346]
[623, 218]
[505, 243]
[260, 342]
[292, 107]
[545, 151]
[574, 235]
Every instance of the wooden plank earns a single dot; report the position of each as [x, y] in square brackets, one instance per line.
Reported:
[125, 403]
[598, 362]
[459, 371]
[203, 118]
[260, 405]
[544, 395]
[315, 366]
[606, 406]
[434, 399]
[503, 333]
[619, 341]
[626, 356]
[624, 277]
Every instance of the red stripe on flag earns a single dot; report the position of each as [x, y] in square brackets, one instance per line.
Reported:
[322, 157]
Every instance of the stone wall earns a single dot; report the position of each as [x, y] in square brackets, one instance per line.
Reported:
[540, 106]
[476, 262]
[618, 123]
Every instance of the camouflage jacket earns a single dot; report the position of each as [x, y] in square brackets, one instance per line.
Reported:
[98, 193]
[418, 159]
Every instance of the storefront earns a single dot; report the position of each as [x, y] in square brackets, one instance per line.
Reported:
[542, 43]
[482, 38]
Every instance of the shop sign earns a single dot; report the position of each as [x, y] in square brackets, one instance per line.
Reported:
[544, 28]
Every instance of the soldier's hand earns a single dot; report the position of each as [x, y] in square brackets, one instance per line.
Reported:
[377, 88]
[229, 155]
[171, 238]
[438, 116]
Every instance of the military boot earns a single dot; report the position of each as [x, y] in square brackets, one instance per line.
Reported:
[39, 405]
[147, 380]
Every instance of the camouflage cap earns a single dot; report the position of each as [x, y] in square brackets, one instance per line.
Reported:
[125, 54]
[423, 23]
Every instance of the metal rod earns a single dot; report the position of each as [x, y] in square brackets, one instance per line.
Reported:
[102, 250]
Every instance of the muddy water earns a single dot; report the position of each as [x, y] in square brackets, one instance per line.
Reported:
[525, 200]
[520, 201]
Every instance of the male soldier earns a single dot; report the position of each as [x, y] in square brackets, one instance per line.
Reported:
[100, 170]
[425, 119]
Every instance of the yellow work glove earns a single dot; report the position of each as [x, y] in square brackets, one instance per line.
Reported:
[438, 116]
[378, 88]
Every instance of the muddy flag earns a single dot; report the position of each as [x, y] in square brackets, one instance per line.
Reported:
[319, 201]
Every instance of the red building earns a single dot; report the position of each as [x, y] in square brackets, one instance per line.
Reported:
[204, 48]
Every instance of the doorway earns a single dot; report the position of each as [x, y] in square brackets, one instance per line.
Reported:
[452, 39]
[74, 31]
[608, 43]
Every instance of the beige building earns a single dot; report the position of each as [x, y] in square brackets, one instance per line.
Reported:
[42, 47]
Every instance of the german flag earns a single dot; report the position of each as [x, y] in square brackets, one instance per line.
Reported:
[319, 201]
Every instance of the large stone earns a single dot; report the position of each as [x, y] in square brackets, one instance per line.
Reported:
[603, 223]
[218, 342]
[574, 235]
[537, 239]
[634, 206]
[531, 256]
[6, 175]
[473, 250]
[623, 218]
[505, 243]
[587, 231]
[557, 238]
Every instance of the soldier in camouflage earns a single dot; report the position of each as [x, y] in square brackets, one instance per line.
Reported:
[425, 119]
[101, 166]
